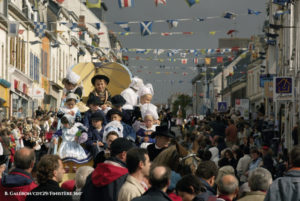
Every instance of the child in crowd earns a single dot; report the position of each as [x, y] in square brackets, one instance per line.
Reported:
[93, 103]
[100, 83]
[72, 134]
[117, 103]
[71, 84]
[70, 108]
[131, 93]
[149, 115]
[95, 134]
[17, 136]
[146, 93]
[116, 115]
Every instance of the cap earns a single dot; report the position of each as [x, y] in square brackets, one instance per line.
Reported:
[72, 96]
[119, 145]
[146, 89]
[113, 126]
[149, 109]
[136, 83]
[72, 77]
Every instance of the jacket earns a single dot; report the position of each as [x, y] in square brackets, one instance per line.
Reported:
[242, 167]
[153, 194]
[153, 151]
[49, 191]
[285, 188]
[132, 188]
[93, 136]
[15, 182]
[254, 195]
[105, 181]
[128, 132]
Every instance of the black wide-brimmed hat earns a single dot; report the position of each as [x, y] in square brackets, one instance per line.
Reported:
[163, 131]
[97, 116]
[113, 111]
[100, 77]
[118, 101]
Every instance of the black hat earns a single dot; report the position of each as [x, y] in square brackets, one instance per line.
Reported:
[3, 159]
[98, 116]
[118, 101]
[119, 145]
[95, 100]
[100, 77]
[163, 131]
[113, 111]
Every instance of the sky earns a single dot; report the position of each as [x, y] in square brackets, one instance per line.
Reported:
[176, 77]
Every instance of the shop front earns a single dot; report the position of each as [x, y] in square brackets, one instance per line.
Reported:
[4, 98]
[21, 102]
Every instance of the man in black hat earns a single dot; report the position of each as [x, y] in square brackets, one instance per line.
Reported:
[100, 83]
[95, 134]
[117, 103]
[116, 115]
[163, 138]
[93, 103]
[107, 179]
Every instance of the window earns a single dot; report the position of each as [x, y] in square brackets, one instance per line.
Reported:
[12, 51]
[31, 66]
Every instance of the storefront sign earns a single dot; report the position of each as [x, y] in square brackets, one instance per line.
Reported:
[242, 105]
[283, 88]
[21, 87]
[4, 95]
[37, 93]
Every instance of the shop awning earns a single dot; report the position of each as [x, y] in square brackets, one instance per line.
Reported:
[5, 83]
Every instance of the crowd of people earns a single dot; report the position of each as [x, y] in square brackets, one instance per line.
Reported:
[124, 134]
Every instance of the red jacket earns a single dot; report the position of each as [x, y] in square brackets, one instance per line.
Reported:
[16, 185]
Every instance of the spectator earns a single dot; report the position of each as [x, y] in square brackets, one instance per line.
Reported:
[231, 134]
[81, 174]
[3, 160]
[163, 137]
[190, 188]
[107, 179]
[207, 172]
[50, 172]
[286, 188]
[256, 160]
[138, 164]
[243, 165]
[228, 188]
[259, 182]
[160, 180]
[19, 179]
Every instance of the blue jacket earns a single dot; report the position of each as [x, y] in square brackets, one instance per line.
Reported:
[128, 132]
[285, 188]
[87, 122]
[94, 136]
[141, 134]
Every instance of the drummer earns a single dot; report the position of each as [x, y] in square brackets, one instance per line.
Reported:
[100, 83]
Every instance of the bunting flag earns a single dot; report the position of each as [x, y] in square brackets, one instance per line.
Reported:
[71, 25]
[184, 61]
[212, 33]
[146, 28]
[183, 54]
[158, 51]
[166, 34]
[98, 26]
[253, 12]
[281, 2]
[164, 2]
[93, 3]
[207, 61]
[229, 15]
[196, 61]
[172, 23]
[170, 54]
[219, 60]
[21, 31]
[231, 31]
[123, 25]
[278, 13]
[126, 3]
[39, 29]
[192, 2]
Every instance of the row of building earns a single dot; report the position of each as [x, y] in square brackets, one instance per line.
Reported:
[39, 42]
[250, 76]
